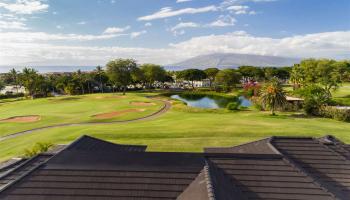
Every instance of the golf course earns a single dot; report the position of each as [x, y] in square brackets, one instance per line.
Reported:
[114, 117]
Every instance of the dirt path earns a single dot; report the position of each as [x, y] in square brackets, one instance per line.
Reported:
[164, 109]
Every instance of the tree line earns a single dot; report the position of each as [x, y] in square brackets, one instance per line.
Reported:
[121, 74]
[117, 76]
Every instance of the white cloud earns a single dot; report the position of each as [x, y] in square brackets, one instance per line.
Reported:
[137, 34]
[82, 23]
[25, 6]
[328, 44]
[169, 12]
[12, 25]
[148, 24]
[179, 28]
[240, 10]
[183, 25]
[112, 30]
[19, 48]
[222, 21]
[59, 27]
[179, 32]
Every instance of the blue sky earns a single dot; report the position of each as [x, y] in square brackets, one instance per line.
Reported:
[91, 32]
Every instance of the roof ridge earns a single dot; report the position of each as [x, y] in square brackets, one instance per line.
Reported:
[216, 174]
[336, 142]
[252, 142]
[308, 175]
[244, 155]
[300, 169]
[291, 137]
[210, 187]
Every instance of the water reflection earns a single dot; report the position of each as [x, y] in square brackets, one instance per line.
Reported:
[210, 101]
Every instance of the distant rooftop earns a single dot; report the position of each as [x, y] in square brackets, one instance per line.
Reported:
[302, 168]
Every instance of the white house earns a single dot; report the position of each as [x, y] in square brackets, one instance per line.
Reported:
[13, 89]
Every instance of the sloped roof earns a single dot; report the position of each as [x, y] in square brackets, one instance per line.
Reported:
[267, 177]
[256, 147]
[273, 168]
[19, 170]
[87, 143]
[327, 167]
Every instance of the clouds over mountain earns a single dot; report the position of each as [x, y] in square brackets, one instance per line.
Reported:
[32, 49]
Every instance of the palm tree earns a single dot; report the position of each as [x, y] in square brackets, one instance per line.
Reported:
[273, 96]
[296, 76]
[80, 78]
[14, 76]
[99, 71]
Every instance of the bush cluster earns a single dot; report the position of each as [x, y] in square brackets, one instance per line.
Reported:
[9, 95]
[36, 149]
[336, 113]
[233, 105]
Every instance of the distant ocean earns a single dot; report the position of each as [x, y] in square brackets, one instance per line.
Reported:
[45, 69]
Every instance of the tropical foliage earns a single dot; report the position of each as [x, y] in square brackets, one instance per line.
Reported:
[273, 96]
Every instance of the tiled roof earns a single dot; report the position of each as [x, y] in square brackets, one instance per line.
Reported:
[21, 169]
[256, 147]
[101, 175]
[274, 168]
[9, 165]
[267, 177]
[326, 166]
[87, 143]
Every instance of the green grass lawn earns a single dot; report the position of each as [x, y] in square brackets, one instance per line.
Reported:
[72, 109]
[342, 95]
[183, 130]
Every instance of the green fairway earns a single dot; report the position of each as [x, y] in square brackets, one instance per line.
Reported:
[183, 130]
[342, 95]
[74, 109]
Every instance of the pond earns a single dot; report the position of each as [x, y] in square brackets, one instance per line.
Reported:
[210, 101]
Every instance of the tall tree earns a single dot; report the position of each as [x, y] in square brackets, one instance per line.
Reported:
[153, 73]
[120, 72]
[211, 74]
[273, 96]
[327, 73]
[2, 85]
[192, 75]
[14, 77]
[228, 78]
[80, 78]
[99, 72]
[28, 79]
[297, 76]
[251, 73]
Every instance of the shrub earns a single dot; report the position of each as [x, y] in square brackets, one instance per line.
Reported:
[336, 113]
[9, 95]
[233, 105]
[251, 88]
[315, 98]
[36, 149]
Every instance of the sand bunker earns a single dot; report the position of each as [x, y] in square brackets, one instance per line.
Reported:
[142, 103]
[28, 118]
[116, 113]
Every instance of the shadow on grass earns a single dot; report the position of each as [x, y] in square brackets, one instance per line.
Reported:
[65, 99]
[11, 100]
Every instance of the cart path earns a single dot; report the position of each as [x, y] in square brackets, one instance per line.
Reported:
[166, 107]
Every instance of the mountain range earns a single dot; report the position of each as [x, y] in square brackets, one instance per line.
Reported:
[231, 60]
